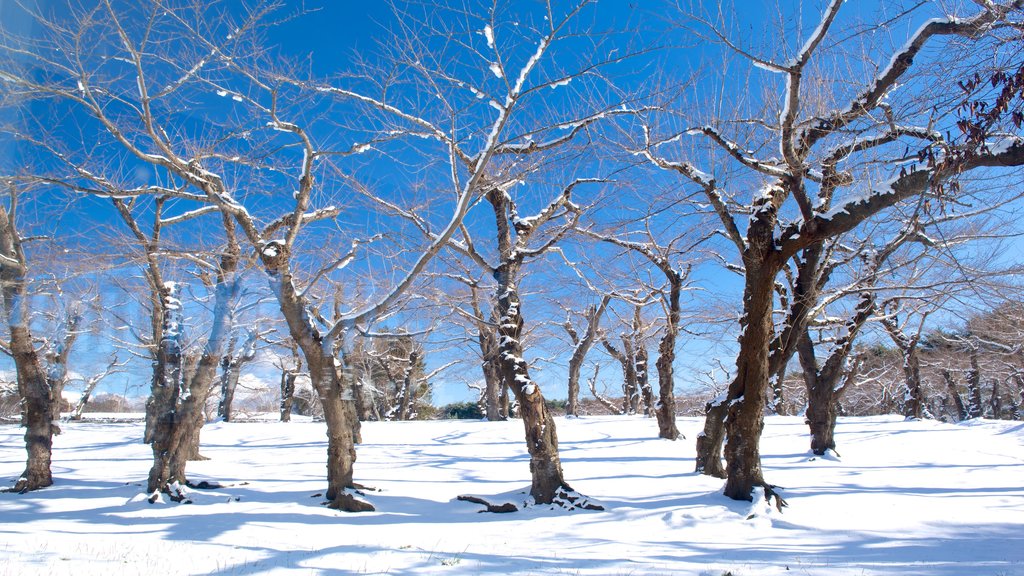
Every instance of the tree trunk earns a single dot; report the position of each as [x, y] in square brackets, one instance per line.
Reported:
[643, 380]
[996, 402]
[541, 438]
[711, 439]
[746, 396]
[36, 400]
[228, 381]
[665, 409]
[913, 403]
[974, 402]
[161, 408]
[954, 395]
[33, 386]
[287, 394]
[326, 378]
[580, 349]
[630, 398]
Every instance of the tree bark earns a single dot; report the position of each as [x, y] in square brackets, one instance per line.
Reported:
[630, 398]
[746, 396]
[711, 439]
[326, 378]
[954, 395]
[974, 403]
[541, 438]
[665, 409]
[161, 407]
[287, 394]
[643, 379]
[580, 349]
[33, 385]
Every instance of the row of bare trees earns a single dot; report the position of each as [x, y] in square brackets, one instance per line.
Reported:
[483, 148]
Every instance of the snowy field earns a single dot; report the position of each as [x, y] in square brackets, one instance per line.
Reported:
[908, 498]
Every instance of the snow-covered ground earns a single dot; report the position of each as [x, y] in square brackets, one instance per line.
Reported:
[908, 498]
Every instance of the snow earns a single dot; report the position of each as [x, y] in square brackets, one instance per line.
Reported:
[489, 34]
[496, 70]
[1002, 144]
[909, 498]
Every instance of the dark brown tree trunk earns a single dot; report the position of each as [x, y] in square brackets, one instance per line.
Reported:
[665, 409]
[287, 394]
[996, 402]
[161, 408]
[954, 395]
[547, 482]
[581, 346]
[326, 378]
[33, 385]
[913, 403]
[974, 402]
[746, 396]
[711, 439]
[822, 384]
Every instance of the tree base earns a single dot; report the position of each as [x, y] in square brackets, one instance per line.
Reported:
[25, 485]
[174, 491]
[347, 502]
[565, 498]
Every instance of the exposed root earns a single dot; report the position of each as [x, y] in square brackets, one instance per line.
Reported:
[346, 502]
[174, 491]
[770, 494]
[573, 500]
[565, 498]
[24, 486]
[496, 508]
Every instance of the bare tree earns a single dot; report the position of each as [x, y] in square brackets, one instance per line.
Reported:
[231, 369]
[677, 278]
[582, 345]
[40, 401]
[821, 152]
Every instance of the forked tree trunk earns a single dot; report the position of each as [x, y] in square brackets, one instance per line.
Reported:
[581, 346]
[326, 378]
[824, 392]
[630, 397]
[822, 384]
[183, 413]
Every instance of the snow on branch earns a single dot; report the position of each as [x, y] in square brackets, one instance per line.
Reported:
[901, 61]
[743, 156]
[847, 216]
